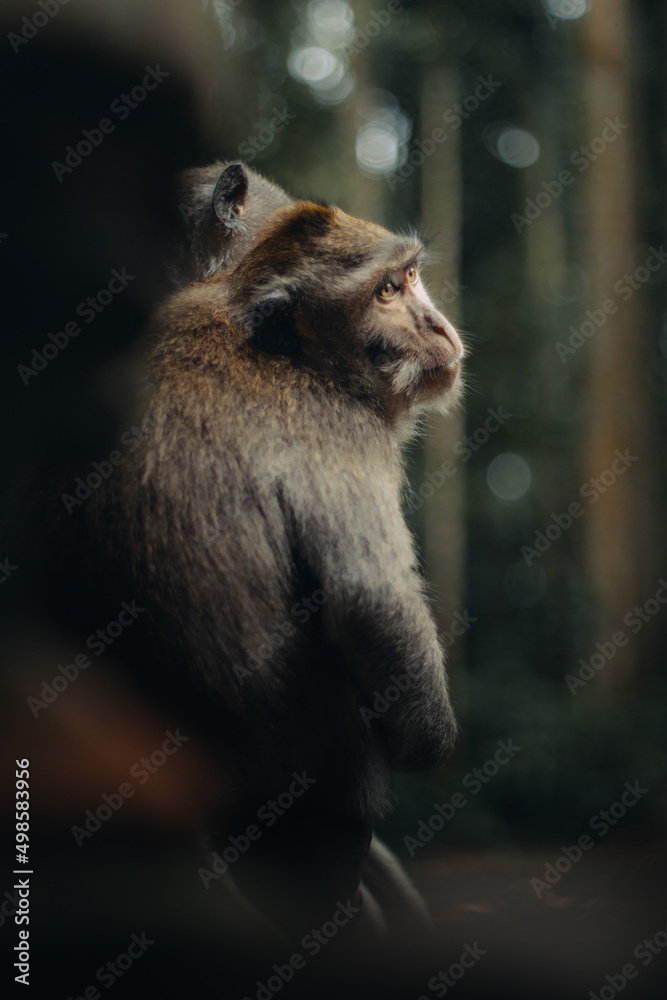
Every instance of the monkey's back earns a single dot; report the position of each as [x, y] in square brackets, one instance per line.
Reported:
[247, 456]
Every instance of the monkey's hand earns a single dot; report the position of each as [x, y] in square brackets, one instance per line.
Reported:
[360, 548]
[389, 642]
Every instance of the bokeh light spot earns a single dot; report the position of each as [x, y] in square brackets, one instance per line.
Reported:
[566, 10]
[517, 147]
[377, 148]
[313, 65]
[331, 22]
[508, 476]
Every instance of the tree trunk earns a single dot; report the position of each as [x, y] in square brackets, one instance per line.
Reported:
[620, 525]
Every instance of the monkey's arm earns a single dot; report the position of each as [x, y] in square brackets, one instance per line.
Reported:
[360, 549]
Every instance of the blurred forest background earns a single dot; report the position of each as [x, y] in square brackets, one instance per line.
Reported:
[528, 140]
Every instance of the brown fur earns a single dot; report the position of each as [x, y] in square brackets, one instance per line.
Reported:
[276, 398]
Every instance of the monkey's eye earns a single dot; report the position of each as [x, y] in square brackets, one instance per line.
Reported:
[387, 290]
[412, 275]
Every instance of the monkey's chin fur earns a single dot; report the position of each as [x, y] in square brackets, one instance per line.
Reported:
[440, 390]
[440, 393]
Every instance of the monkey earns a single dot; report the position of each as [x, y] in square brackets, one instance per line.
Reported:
[281, 390]
[256, 520]
[222, 208]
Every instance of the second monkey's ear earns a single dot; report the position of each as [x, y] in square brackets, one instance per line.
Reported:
[272, 325]
[230, 194]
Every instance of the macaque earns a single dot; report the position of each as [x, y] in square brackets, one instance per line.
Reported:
[257, 520]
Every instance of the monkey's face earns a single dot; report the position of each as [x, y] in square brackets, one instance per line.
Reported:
[345, 297]
[412, 344]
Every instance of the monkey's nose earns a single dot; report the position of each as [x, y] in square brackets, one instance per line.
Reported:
[442, 326]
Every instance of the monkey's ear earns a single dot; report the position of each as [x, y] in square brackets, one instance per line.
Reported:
[271, 325]
[230, 195]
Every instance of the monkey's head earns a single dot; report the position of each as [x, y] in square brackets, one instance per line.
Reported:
[345, 298]
[222, 209]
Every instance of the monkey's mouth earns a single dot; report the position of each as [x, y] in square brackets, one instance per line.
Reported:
[451, 367]
[440, 379]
